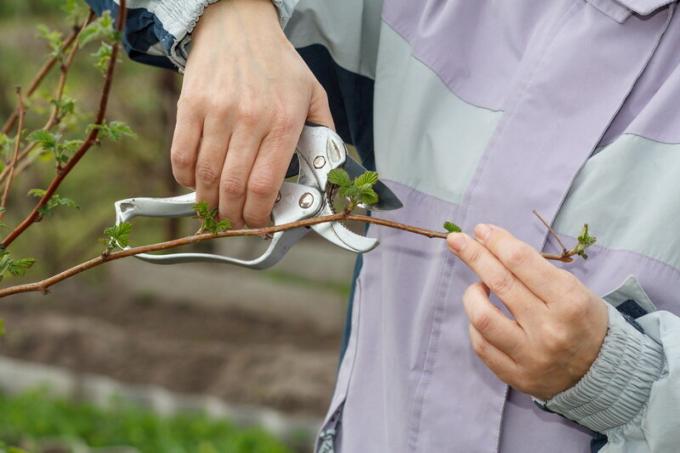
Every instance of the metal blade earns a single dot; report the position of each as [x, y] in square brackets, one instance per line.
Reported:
[388, 201]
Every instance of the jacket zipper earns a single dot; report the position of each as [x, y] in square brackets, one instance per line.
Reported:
[328, 435]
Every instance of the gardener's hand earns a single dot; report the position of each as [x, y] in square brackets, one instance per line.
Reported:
[558, 326]
[245, 98]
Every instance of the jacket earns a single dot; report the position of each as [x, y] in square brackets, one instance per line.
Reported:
[482, 111]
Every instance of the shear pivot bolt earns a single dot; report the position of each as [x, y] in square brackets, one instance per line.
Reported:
[306, 200]
[319, 162]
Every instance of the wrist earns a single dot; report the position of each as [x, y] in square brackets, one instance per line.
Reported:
[617, 386]
[228, 16]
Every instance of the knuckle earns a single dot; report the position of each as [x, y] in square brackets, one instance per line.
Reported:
[473, 252]
[502, 284]
[187, 103]
[322, 93]
[181, 160]
[518, 255]
[232, 186]
[207, 174]
[262, 185]
[221, 109]
[469, 294]
[538, 367]
[285, 121]
[249, 114]
[554, 339]
[481, 320]
[480, 348]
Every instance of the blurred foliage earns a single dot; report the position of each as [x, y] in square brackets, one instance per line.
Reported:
[28, 418]
[33, 8]
[142, 97]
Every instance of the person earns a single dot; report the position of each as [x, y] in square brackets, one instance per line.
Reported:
[479, 112]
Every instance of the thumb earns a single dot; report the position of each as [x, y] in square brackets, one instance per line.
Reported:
[319, 110]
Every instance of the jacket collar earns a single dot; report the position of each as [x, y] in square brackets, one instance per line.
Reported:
[620, 10]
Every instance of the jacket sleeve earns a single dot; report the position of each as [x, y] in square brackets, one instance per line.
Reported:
[631, 394]
[158, 32]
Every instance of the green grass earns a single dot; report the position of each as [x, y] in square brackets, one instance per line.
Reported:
[35, 415]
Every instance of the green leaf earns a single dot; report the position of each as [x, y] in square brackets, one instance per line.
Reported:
[54, 202]
[368, 197]
[452, 227]
[114, 130]
[6, 145]
[100, 29]
[70, 146]
[46, 139]
[19, 267]
[53, 38]
[202, 209]
[75, 10]
[118, 236]
[339, 177]
[210, 224]
[585, 240]
[357, 192]
[102, 57]
[350, 192]
[38, 193]
[14, 267]
[367, 178]
[2, 327]
[65, 106]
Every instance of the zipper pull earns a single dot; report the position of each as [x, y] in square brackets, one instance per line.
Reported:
[327, 435]
[327, 441]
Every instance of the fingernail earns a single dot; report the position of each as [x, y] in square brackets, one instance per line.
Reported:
[482, 232]
[457, 242]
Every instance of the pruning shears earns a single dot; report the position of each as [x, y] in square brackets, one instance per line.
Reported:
[319, 151]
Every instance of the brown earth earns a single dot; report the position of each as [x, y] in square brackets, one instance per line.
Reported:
[237, 356]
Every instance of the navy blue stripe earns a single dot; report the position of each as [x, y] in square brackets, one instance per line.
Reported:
[142, 30]
[350, 97]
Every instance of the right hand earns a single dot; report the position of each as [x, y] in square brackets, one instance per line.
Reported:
[246, 95]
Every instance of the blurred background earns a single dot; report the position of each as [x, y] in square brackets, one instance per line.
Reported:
[132, 357]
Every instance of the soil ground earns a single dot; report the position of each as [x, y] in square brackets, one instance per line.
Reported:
[229, 353]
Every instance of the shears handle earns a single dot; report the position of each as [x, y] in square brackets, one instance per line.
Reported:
[295, 202]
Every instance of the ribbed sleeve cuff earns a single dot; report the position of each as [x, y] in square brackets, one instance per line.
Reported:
[617, 386]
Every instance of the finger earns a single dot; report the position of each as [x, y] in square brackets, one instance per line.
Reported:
[243, 149]
[210, 160]
[269, 171]
[521, 302]
[319, 109]
[505, 334]
[501, 365]
[526, 263]
[185, 143]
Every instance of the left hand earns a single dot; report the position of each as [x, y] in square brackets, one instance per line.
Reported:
[558, 327]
